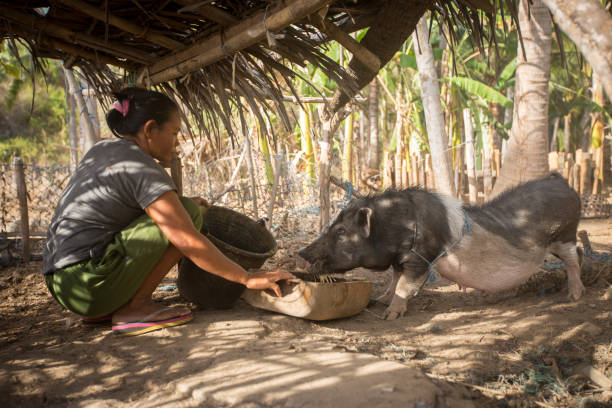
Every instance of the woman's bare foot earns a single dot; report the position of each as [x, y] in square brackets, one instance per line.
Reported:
[129, 313]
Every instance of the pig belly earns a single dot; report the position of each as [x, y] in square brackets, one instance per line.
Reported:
[487, 262]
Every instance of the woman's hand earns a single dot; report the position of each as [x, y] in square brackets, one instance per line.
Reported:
[267, 280]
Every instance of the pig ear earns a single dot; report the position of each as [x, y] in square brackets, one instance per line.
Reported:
[363, 221]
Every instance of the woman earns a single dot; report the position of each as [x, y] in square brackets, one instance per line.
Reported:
[119, 226]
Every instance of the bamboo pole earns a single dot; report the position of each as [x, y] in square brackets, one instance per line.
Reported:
[22, 196]
[553, 161]
[125, 25]
[244, 34]
[469, 155]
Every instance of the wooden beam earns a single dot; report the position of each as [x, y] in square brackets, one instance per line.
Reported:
[135, 29]
[73, 49]
[46, 26]
[205, 10]
[367, 57]
[244, 34]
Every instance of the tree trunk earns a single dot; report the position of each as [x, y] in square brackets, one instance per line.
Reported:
[527, 150]
[72, 130]
[434, 116]
[373, 148]
[589, 25]
[89, 131]
[328, 128]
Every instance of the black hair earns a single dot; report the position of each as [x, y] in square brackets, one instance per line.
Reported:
[144, 105]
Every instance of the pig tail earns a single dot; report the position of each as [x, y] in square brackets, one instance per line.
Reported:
[133, 107]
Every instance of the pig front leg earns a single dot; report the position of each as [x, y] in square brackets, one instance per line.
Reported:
[387, 297]
[405, 289]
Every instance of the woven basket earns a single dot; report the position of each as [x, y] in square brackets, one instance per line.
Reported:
[595, 206]
[241, 239]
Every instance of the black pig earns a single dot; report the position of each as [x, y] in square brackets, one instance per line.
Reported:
[492, 247]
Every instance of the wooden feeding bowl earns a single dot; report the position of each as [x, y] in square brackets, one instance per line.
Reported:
[314, 300]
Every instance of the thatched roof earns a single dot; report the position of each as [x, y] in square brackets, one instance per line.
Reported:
[213, 55]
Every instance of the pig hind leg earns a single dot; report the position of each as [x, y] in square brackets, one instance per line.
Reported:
[568, 253]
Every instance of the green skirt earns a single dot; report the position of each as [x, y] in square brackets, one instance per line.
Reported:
[98, 287]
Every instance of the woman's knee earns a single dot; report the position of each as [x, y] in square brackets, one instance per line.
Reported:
[194, 211]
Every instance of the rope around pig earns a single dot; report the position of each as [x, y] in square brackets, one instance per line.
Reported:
[430, 277]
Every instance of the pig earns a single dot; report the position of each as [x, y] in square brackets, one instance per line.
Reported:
[492, 247]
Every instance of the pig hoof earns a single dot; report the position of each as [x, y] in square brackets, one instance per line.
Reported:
[392, 315]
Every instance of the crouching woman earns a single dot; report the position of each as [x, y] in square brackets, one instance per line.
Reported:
[120, 226]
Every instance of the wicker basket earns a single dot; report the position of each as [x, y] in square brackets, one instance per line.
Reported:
[595, 206]
[241, 239]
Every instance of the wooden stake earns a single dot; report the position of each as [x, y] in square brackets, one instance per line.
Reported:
[22, 196]
[553, 161]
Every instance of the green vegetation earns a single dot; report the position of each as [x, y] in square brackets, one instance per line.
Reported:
[32, 114]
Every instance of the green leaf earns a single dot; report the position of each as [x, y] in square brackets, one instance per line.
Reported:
[361, 34]
[408, 61]
[506, 74]
[477, 88]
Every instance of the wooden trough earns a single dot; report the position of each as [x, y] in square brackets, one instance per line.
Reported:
[314, 300]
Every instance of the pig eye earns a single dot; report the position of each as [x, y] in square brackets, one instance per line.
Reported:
[340, 231]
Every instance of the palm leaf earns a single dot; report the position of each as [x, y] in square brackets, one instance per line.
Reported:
[477, 88]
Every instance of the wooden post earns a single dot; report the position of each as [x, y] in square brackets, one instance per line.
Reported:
[598, 168]
[176, 172]
[469, 155]
[585, 161]
[249, 157]
[22, 196]
[567, 165]
[414, 162]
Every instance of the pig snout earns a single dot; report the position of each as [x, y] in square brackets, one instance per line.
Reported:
[311, 253]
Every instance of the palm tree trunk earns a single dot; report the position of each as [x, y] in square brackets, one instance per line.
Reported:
[72, 130]
[527, 150]
[434, 116]
[588, 24]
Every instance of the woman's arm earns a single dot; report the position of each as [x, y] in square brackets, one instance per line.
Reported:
[172, 218]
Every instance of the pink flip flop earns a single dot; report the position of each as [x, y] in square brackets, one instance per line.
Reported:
[148, 324]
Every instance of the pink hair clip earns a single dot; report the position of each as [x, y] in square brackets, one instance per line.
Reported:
[122, 106]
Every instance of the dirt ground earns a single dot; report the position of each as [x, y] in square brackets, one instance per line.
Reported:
[516, 350]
